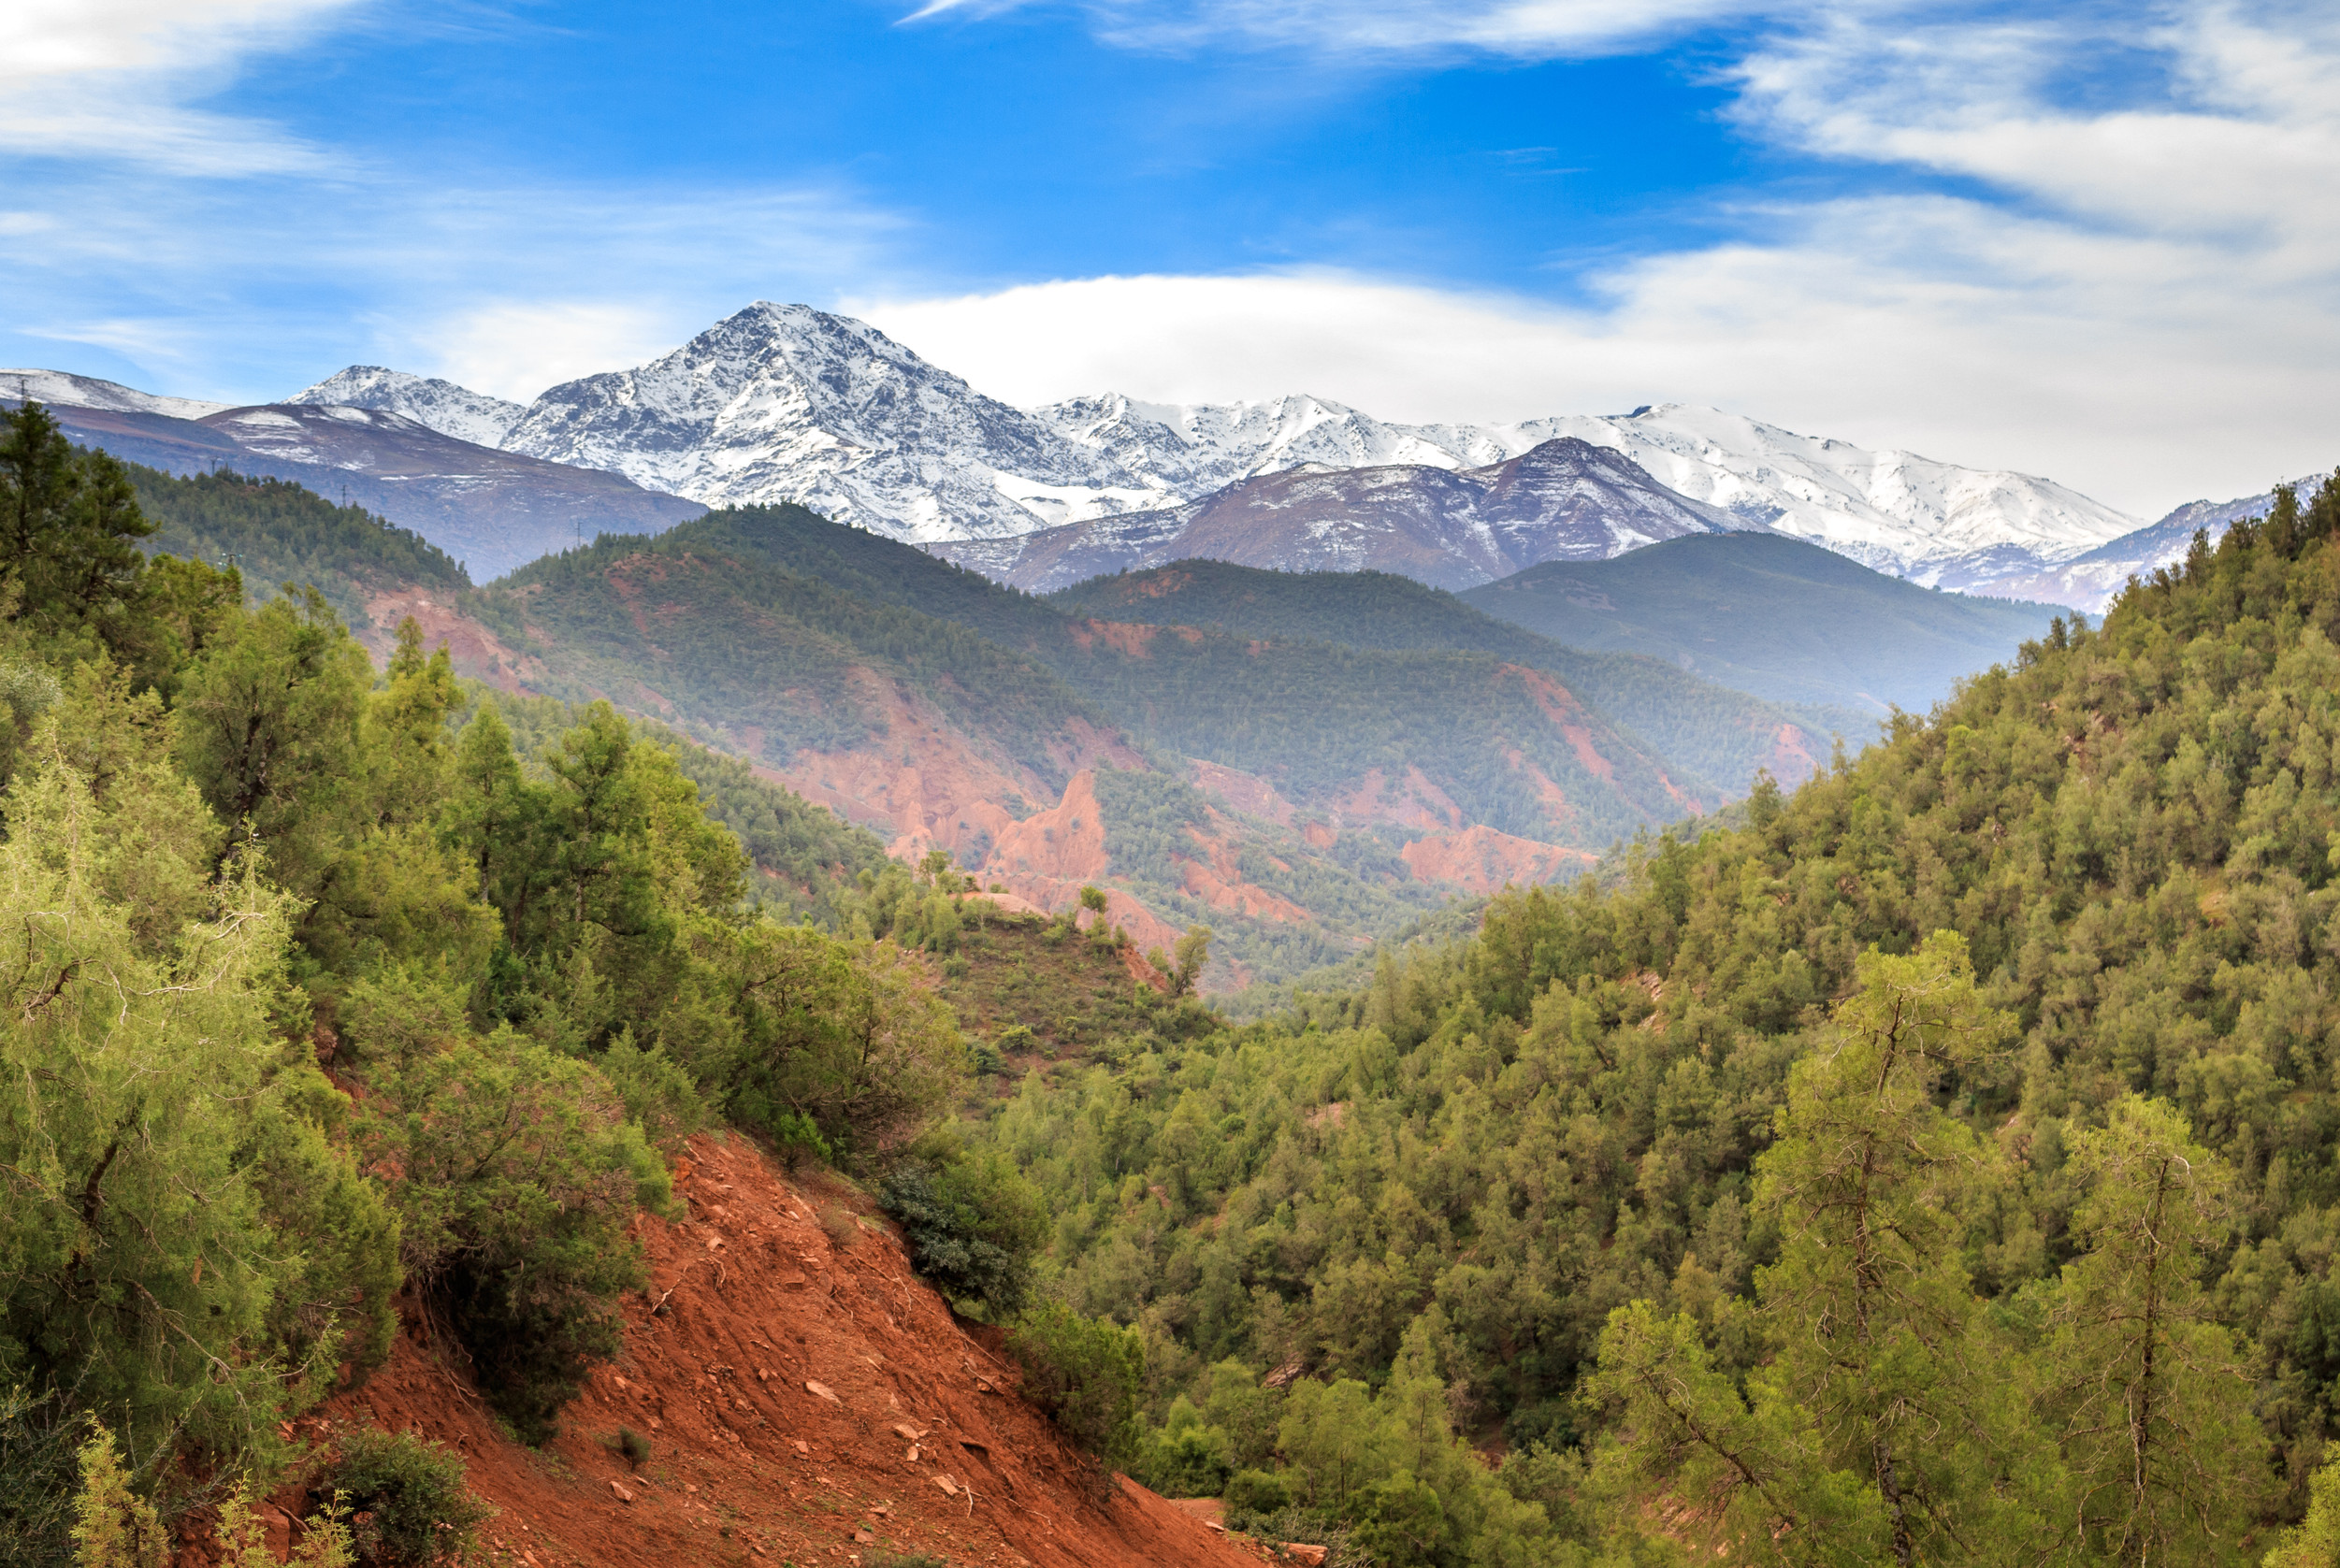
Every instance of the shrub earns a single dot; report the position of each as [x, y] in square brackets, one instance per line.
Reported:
[842, 1227]
[973, 1224]
[400, 1491]
[902, 1560]
[1187, 1459]
[1086, 1373]
[796, 1138]
[633, 1445]
[1250, 1492]
[519, 1175]
[39, 1457]
[658, 1092]
[113, 1527]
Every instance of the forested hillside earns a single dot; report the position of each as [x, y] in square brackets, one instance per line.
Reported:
[1782, 619]
[274, 532]
[1939, 1168]
[1712, 730]
[1354, 788]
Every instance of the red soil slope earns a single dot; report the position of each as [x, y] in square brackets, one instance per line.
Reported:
[807, 1403]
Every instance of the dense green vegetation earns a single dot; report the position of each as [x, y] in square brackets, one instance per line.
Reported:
[274, 532]
[802, 859]
[1785, 620]
[328, 1004]
[1708, 729]
[1935, 1166]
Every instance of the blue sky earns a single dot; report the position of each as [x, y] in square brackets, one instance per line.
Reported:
[2095, 242]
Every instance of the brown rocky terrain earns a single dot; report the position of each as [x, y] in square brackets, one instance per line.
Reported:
[807, 1399]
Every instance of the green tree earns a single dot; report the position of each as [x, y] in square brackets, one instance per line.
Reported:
[268, 730]
[1189, 956]
[1887, 1420]
[1086, 1373]
[518, 1176]
[2152, 1391]
[69, 527]
[160, 1146]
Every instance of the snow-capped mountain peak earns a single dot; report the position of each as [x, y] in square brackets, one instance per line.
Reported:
[436, 405]
[1891, 509]
[783, 401]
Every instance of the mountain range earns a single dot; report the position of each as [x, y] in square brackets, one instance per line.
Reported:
[1564, 501]
[786, 403]
[782, 402]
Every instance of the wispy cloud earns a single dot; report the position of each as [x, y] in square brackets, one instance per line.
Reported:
[123, 80]
[213, 288]
[2108, 247]
[1535, 29]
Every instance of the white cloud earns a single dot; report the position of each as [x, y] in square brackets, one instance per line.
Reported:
[1533, 29]
[516, 350]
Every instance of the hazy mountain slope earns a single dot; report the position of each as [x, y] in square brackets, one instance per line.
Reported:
[1785, 620]
[490, 509]
[1563, 500]
[1329, 795]
[2090, 582]
[1723, 734]
[441, 405]
[1322, 723]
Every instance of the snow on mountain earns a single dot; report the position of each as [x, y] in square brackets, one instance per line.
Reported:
[62, 388]
[1195, 448]
[2092, 581]
[1566, 499]
[1893, 510]
[782, 402]
[436, 405]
